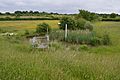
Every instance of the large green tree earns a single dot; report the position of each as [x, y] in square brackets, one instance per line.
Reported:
[113, 15]
[87, 15]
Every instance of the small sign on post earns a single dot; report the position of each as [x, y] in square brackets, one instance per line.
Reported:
[66, 26]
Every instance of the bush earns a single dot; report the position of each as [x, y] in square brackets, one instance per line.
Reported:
[88, 26]
[75, 24]
[69, 21]
[95, 41]
[26, 32]
[80, 24]
[106, 39]
[43, 29]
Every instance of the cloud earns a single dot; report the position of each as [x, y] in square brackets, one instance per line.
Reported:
[61, 6]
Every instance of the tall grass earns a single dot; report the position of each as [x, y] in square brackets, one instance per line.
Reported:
[57, 35]
[18, 61]
[81, 37]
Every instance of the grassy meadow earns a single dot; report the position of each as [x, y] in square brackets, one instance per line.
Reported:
[19, 61]
[30, 24]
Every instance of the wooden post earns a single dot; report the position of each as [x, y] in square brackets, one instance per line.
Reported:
[47, 30]
[66, 31]
[48, 39]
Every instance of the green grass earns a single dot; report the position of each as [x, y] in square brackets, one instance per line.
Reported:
[30, 24]
[113, 29]
[18, 61]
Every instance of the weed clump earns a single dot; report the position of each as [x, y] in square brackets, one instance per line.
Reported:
[83, 47]
[106, 39]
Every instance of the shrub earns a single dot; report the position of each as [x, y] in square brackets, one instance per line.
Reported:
[106, 39]
[43, 29]
[69, 21]
[80, 24]
[88, 26]
[75, 24]
[95, 41]
[26, 32]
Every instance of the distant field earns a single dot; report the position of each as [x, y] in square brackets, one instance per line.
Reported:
[28, 24]
[4, 16]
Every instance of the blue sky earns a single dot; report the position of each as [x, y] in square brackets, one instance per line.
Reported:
[61, 6]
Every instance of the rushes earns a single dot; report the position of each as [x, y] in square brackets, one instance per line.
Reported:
[81, 37]
[57, 35]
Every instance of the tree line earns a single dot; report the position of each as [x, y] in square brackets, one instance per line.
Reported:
[87, 15]
[84, 13]
[28, 13]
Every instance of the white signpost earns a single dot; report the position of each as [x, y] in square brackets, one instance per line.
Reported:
[66, 31]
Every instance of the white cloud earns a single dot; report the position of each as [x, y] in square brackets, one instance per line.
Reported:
[62, 6]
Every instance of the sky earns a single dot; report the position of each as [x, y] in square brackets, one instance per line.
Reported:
[61, 6]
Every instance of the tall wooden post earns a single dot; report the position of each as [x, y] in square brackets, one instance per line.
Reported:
[47, 30]
[66, 31]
